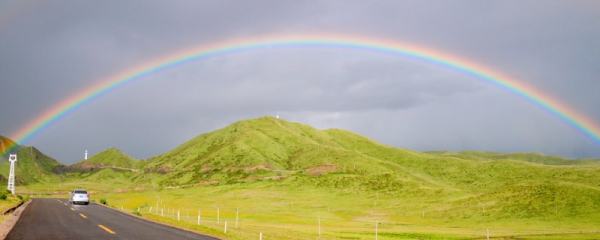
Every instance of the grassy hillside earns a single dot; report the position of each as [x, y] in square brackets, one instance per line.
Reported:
[110, 158]
[32, 166]
[285, 175]
[264, 148]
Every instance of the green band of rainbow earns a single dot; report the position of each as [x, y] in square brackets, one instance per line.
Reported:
[552, 105]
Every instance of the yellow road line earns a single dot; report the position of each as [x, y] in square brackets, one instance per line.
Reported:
[83, 216]
[106, 229]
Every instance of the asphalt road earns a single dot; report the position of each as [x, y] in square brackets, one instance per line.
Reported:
[58, 219]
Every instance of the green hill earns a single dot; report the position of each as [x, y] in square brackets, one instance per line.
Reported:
[257, 149]
[528, 157]
[269, 149]
[32, 166]
[111, 158]
[290, 173]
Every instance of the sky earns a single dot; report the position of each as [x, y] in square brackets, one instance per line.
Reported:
[50, 50]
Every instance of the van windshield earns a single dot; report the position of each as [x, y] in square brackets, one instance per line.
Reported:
[80, 192]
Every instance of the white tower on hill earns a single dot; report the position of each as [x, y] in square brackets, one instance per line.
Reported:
[85, 155]
[11, 175]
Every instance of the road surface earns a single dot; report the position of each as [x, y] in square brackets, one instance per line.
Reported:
[58, 219]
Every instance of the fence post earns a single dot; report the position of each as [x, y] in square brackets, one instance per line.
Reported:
[376, 229]
[319, 228]
[225, 228]
[260, 236]
[237, 217]
[178, 217]
[162, 212]
[487, 234]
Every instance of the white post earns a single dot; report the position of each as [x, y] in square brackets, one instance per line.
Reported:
[237, 217]
[162, 212]
[260, 236]
[178, 217]
[487, 234]
[376, 228]
[218, 215]
[150, 210]
[319, 229]
[225, 228]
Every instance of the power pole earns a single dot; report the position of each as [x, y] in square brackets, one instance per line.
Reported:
[11, 176]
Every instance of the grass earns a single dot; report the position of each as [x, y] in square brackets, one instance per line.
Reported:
[9, 202]
[283, 177]
[290, 210]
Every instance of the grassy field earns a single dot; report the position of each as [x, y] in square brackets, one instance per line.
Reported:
[292, 210]
[287, 179]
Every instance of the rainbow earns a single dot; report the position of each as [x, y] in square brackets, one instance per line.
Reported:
[72, 103]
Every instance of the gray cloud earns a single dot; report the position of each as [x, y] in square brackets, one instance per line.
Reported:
[51, 50]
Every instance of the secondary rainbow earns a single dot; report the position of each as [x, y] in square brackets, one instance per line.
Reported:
[203, 51]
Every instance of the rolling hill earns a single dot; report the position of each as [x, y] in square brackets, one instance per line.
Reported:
[32, 165]
[290, 173]
[269, 149]
[111, 158]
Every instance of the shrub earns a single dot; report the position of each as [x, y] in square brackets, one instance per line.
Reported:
[103, 201]
[137, 212]
[3, 196]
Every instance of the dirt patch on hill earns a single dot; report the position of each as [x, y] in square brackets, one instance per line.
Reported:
[321, 169]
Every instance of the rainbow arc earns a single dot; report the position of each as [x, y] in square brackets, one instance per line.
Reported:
[68, 105]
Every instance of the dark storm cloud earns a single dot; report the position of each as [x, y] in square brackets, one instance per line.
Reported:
[51, 50]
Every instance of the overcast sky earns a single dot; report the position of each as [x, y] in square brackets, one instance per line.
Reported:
[52, 49]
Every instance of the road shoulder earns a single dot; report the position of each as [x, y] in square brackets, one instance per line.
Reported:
[11, 219]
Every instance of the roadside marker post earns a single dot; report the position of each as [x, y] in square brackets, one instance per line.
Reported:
[178, 216]
[162, 212]
[260, 236]
[225, 228]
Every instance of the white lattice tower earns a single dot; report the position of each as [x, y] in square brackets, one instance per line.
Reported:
[11, 176]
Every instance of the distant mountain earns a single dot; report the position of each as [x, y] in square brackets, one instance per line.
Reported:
[32, 165]
[111, 158]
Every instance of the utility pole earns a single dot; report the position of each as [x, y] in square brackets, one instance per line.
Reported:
[11, 176]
